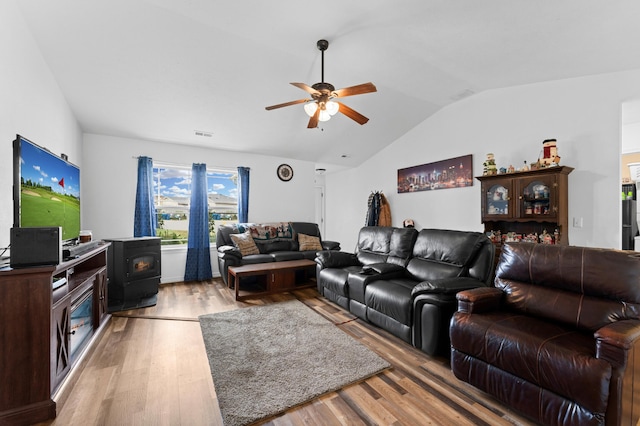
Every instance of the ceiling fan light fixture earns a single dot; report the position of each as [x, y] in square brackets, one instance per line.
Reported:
[310, 108]
[332, 107]
[324, 115]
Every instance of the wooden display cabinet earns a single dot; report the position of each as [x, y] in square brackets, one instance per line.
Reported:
[50, 317]
[527, 202]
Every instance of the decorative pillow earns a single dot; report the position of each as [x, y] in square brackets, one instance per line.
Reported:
[307, 242]
[245, 243]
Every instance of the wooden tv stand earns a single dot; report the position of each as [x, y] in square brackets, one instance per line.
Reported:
[38, 332]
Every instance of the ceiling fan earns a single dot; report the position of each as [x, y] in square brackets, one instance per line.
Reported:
[322, 104]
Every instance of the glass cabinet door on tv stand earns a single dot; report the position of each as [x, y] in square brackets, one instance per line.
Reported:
[526, 205]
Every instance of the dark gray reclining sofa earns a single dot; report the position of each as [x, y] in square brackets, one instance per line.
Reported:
[406, 281]
[270, 251]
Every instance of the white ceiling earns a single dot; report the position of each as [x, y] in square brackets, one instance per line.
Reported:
[162, 69]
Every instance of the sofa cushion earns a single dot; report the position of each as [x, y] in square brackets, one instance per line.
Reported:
[335, 279]
[307, 228]
[336, 259]
[391, 297]
[439, 253]
[552, 356]
[308, 242]
[271, 246]
[574, 285]
[257, 258]
[373, 244]
[401, 245]
[280, 256]
[245, 243]
[447, 246]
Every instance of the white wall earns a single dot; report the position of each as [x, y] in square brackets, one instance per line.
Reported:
[31, 104]
[110, 170]
[583, 114]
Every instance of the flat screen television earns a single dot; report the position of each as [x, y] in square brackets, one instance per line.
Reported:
[46, 190]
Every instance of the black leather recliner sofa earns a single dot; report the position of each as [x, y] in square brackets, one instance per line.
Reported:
[406, 281]
[275, 250]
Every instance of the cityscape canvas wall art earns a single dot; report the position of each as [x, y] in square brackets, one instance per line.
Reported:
[452, 173]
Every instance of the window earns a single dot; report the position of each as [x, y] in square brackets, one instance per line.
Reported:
[172, 189]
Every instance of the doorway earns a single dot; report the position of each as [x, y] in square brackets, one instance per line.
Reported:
[630, 173]
[319, 195]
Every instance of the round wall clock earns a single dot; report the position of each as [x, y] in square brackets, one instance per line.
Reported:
[285, 172]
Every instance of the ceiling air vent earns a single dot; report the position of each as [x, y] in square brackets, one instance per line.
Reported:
[203, 133]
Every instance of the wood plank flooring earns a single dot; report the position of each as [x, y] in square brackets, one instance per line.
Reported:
[150, 368]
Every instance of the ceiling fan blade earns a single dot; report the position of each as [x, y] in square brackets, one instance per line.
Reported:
[356, 90]
[299, 101]
[313, 121]
[352, 114]
[306, 88]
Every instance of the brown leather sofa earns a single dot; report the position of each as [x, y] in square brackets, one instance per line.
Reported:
[558, 337]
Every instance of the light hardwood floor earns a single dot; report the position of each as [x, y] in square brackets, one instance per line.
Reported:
[150, 368]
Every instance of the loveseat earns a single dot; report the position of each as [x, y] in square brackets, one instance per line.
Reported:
[268, 242]
[558, 337]
[405, 281]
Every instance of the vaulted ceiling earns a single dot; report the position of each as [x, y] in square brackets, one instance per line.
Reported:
[165, 69]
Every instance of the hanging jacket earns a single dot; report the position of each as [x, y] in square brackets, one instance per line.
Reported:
[384, 217]
[373, 210]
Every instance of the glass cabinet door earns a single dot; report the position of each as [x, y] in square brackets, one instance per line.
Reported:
[497, 199]
[537, 198]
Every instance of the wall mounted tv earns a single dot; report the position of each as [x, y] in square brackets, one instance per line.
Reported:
[46, 189]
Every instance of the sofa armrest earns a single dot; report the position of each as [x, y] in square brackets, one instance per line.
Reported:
[478, 300]
[614, 341]
[383, 269]
[358, 280]
[330, 245]
[434, 303]
[446, 286]
[336, 259]
[226, 252]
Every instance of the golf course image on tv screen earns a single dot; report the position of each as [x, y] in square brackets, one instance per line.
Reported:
[49, 190]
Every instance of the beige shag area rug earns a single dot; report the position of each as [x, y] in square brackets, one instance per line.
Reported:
[267, 359]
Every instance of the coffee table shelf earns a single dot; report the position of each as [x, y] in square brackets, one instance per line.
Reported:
[272, 277]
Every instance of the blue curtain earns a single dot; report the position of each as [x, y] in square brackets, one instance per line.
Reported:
[198, 266]
[145, 220]
[243, 194]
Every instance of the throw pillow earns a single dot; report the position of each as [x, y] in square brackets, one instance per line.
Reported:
[308, 242]
[245, 243]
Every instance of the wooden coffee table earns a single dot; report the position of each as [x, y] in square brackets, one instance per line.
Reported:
[272, 277]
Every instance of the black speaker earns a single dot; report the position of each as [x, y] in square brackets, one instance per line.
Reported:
[35, 246]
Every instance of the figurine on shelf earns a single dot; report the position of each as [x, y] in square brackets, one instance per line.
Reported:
[549, 153]
[512, 237]
[546, 238]
[489, 166]
[511, 169]
[524, 168]
[495, 237]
